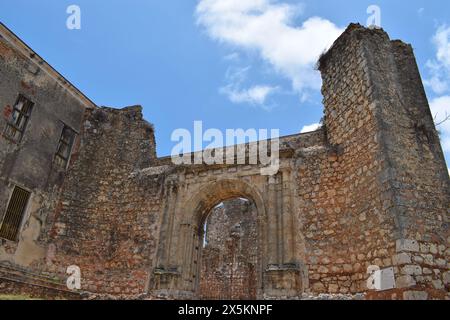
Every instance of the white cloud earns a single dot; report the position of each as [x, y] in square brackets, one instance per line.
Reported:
[442, 42]
[254, 95]
[310, 128]
[237, 75]
[440, 109]
[267, 27]
[439, 67]
[439, 82]
[232, 56]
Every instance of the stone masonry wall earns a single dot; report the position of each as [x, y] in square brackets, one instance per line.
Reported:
[97, 226]
[420, 193]
[340, 207]
[373, 102]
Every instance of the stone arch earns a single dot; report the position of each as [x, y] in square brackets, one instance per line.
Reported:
[187, 202]
[207, 197]
[211, 194]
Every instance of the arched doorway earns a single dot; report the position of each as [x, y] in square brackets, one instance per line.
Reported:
[229, 255]
[187, 206]
[203, 203]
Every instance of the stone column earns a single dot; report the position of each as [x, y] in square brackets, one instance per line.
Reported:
[288, 256]
[272, 221]
[167, 270]
[188, 255]
[282, 275]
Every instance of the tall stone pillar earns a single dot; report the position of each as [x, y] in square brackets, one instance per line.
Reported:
[288, 254]
[396, 180]
[282, 275]
[167, 274]
[272, 223]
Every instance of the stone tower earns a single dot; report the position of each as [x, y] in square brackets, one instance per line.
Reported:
[378, 118]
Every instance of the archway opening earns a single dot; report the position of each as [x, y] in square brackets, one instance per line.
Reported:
[230, 253]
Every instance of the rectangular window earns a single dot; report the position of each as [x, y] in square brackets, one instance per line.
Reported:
[18, 120]
[65, 146]
[14, 214]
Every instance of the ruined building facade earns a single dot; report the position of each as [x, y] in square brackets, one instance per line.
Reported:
[82, 185]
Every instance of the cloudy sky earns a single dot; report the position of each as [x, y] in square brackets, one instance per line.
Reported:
[230, 63]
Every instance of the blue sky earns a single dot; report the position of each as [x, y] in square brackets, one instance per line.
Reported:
[186, 60]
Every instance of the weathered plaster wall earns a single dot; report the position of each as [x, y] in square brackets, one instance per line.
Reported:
[29, 164]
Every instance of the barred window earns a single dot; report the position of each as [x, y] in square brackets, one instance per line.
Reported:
[18, 120]
[65, 146]
[15, 212]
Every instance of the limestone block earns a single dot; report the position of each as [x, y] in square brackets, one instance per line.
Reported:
[401, 258]
[407, 245]
[405, 281]
[446, 278]
[437, 284]
[412, 270]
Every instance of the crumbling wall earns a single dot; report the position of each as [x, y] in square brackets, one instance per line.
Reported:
[371, 195]
[340, 207]
[414, 173]
[107, 220]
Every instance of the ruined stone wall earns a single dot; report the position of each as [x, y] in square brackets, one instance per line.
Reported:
[369, 188]
[107, 221]
[229, 259]
[340, 209]
[373, 97]
[361, 193]
[415, 174]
